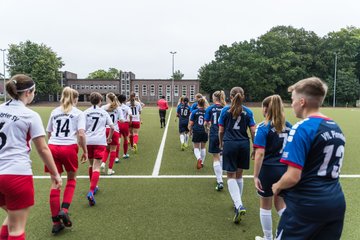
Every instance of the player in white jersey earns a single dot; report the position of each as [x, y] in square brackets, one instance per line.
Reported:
[66, 129]
[124, 126]
[112, 107]
[135, 121]
[96, 140]
[18, 126]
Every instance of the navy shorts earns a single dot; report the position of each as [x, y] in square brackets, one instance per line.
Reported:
[214, 144]
[236, 154]
[199, 137]
[270, 174]
[294, 227]
[183, 127]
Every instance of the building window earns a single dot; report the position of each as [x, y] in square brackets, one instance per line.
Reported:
[82, 87]
[127, 87]
[184, 93]
[152, 90]
[136, 89]
[168, 93]
[176, 90]
[144, 90]
[160, 91]
[101, 87]
[87, 87]
[192, 93]
[91, 86]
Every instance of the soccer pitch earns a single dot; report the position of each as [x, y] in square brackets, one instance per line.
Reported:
[159, 194]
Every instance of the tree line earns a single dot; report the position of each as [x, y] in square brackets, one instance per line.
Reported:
[282, 56]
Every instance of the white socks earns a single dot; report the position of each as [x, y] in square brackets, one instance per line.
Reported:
[280, 212]
[186, 138]
[240, 183]
[234, 192]
[203, 155]
[266, 223]
[197, 153]
[218, 171]
[182, 138]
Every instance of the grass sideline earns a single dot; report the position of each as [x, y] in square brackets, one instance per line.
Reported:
[174, 208]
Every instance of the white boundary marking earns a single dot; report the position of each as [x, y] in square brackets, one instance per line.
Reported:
[170, 176]
[161, 149]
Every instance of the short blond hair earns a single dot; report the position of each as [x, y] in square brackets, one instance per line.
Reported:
[313, 88]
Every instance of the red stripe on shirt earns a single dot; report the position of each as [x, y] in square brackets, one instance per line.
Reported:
[258, 146]
[291, 164]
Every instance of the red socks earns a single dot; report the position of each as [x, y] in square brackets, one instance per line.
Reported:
[94, 181]
[54, 202]
[19, 237]
[112, 159]
[136, 139]
[105, 156]
[68, 193]
[125, 146]
[131, 140]
[4, 233]
[90, 173]
[117, 150]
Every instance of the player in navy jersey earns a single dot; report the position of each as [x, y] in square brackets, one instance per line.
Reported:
[20, 125]
[233, 124]
[211, 120]
[183, 113]
[314, 152]
[194, 106]
[269, 142]
[199, 135]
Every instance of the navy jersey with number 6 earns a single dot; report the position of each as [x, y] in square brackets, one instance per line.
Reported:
[267, 138]
[316, 145]
[197, 116]
[212, 115]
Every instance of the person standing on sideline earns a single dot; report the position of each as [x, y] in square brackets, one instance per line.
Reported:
[314, 153]
[163, 106]
[198, 131]
[183, 113]
[269, 142]
[66, 129]
[18, 126]
[211, 120]
[96, 121]
[233, 124]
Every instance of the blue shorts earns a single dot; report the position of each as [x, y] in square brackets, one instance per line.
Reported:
[270, 174]
[214, 144]
[236, 154]
[183, 127]
[294, 227]
[199, 137]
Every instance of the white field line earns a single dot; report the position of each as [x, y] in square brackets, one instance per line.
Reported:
[161, 149]
[172, 176]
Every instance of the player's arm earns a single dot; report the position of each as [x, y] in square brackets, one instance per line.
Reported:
[252, 133]
[291, 177]
[259, 157]
[221, 136]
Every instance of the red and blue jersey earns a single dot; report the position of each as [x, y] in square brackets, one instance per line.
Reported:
[212, 115]
[316, 145]
[273, 142]
[236, 129]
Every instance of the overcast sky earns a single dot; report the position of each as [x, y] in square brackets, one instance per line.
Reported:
[137, 35]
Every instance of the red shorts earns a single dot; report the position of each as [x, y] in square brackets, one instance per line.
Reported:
[135, 125]
[115, 137]
[124, 128]
[16, 191]
[65, 155]
[95, 151]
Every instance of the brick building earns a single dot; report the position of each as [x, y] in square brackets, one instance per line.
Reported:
[149, 90]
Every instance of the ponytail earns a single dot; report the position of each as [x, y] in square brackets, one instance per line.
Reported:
[274, 112]
[114, 103]
[67, 99]
[219, 96]
[19, 84]
[237, 94]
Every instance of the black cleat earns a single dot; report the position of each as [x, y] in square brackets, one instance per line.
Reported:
[58, 227]
[65, 218]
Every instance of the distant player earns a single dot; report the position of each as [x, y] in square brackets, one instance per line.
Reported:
[183, 113]
[19, 126]
[96, 140]
[199, 134]
[233, 124]
[124, 126]
[136, 109]
[163, 106]
[116, 114]
[314, 153]
[194, 106]
[270, 140]
[66, 129]
[212, 120]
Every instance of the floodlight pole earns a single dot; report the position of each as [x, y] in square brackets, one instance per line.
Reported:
[3, 50]
[334, 98]
[172, 80]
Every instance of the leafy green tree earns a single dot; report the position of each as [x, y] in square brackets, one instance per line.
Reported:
[177, 75]
[112, 73]
[38, 61]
